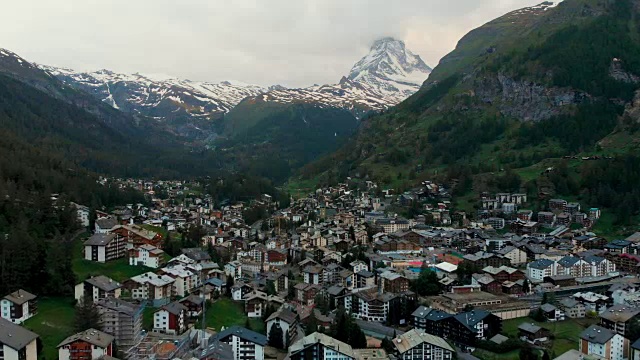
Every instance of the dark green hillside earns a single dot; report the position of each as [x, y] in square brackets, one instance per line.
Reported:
[101, 144]
[272, 140]
[544, 90]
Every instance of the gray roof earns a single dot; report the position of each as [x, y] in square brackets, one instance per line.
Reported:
[118, 305]
[100, 239]
[92, 336]
[284, 314]
[471, 318]
[244, 334]
[415, 337]
[597, 334]
[547, 308]
[541, 264]
[103, 283]
[365, 273]
[20, 297]
[421, 312]
[620, 313]
[15, 336]
[499, 339]
[568, 261]
[529, 327]
[335, 290]
[218, 350]
[323, 339]
[194, 299]
[568, 302]
[107, 223]
[174, 308]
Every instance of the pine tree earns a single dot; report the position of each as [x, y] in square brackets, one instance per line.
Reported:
[276, 337]
[312, 324]
[87, 316]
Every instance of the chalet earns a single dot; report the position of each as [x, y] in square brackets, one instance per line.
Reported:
[16, 342]
[487, 283]
[513, 288]
[573, 208]
[365, 279]
[103, 247]
[240, 290]
[96, 288]
[255, 303]
[246, 344]
[287, 320]
[313, 275]
[504, 273]
[135, 235]
[393, 282]
[483, 259]
[194, 305]
[305, 293]
[415, 344]
[152, 287]
[619, 318]
[18, 306]
[572, 308]
[618, 247]
[105, 225]
[90, 344]
[320, 346]
[515, 255]
[186, 278]
[604, 343]
[198, 255]
[464, 328]
[146, 255]
[533, 334]
[551, 313]
[170, 319]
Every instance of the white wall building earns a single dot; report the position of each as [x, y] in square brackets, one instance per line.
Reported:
[16, 342]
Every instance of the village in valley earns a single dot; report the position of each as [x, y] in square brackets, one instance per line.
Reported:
[352, 271]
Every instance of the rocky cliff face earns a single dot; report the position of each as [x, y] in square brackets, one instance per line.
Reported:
[525, 100]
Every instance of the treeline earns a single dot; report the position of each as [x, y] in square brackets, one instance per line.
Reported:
[580, 56]
[574, 133]
[234, 187]
[453, 138]
[35, 232]
[614, 185]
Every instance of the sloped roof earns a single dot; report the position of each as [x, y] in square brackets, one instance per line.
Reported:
[415, 337]
[92, 336]
[323, 339]
[244, 334]
[597, 334]
[15, 336]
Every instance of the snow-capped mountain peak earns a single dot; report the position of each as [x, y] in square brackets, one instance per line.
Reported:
[162, 97]
[387, 75]
[391, 69]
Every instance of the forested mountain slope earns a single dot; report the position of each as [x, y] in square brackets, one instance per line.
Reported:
[541, 82]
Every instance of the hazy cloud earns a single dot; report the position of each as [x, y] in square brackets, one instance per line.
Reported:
[290, 42]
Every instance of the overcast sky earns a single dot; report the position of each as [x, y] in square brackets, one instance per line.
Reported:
[289, 42]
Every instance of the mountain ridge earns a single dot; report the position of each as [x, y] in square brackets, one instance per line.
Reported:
[187, 104]
[537, 83]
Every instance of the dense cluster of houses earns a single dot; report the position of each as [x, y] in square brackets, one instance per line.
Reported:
[348, 247]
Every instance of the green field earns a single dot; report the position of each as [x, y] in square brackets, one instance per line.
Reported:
[566, 335]
[225, 312]
[53, 323]
[118, 270]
